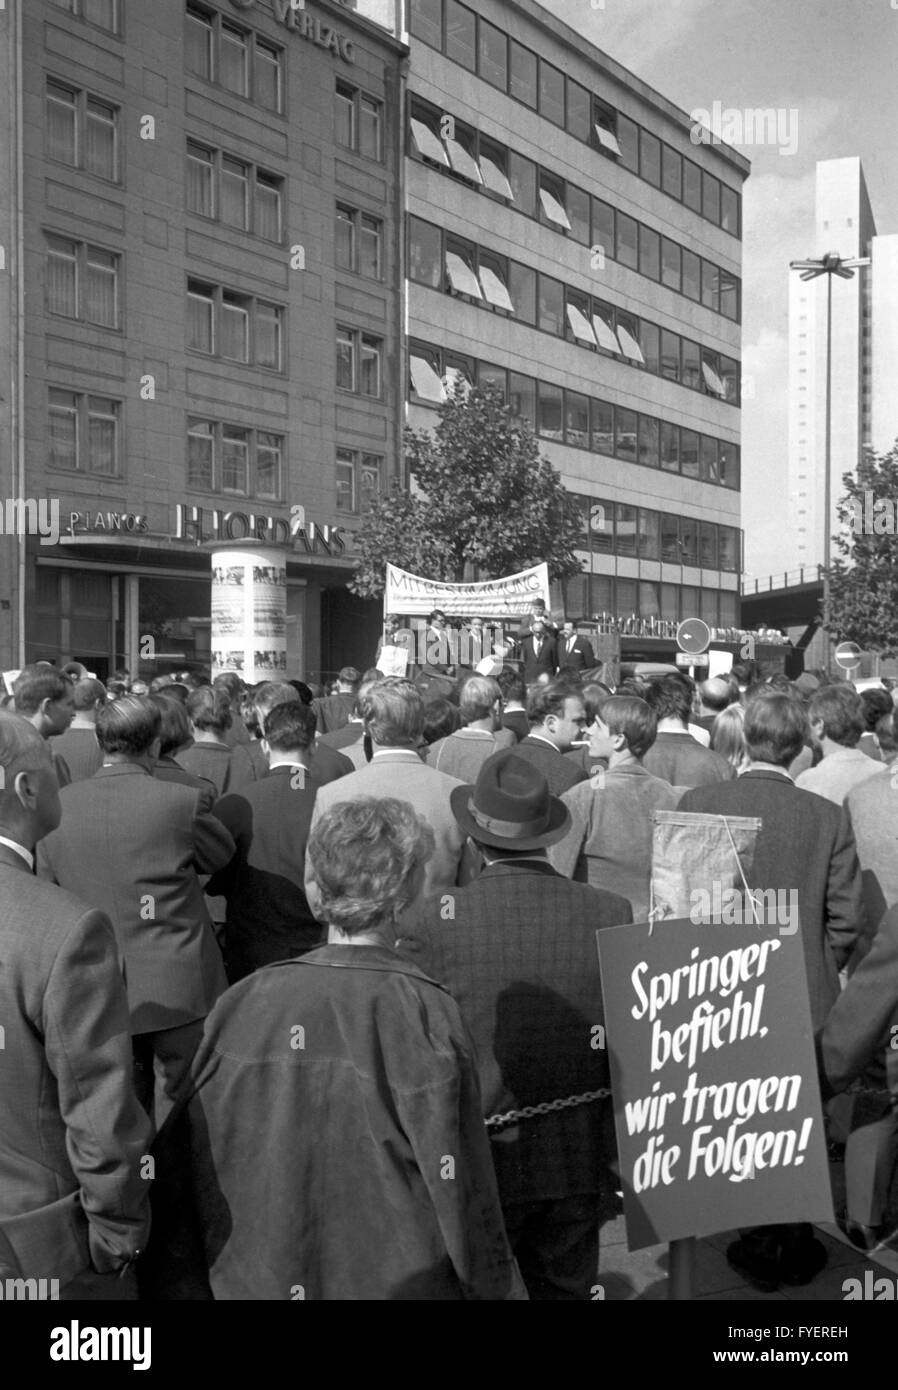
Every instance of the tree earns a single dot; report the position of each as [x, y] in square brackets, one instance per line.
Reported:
[484, 500]
[864, 580]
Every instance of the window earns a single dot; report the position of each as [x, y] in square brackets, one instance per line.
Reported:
[729, 295]
[103, 13]
[628, 140]
[579, 111]
[426, 372]
[670, 602]
[551, 93]
[267, 204]
[672, 172]
[200, 316]
[235, 193]
[233, 459]
[461, 262]
[359, 362]
[371, 359]
[345, 480]
[199, 46]
[627, 327]
[710, 286]
[602, 427]
[601, 525]
[346, 116]
[522, 74]
[522, 289]
[627, 247]
[83, 432]
[357, 242]
[234, 60]
[268, 78]
[692, 366]
[729, 375]
[728, 605]
[268, 335]
[713, 381]
[83, 282]
[670, 448]
[625, 596]
[426, 21]
[603, 323]
[692, 186]
[552, 199]
[690, 462]
[708, 602]
[729, 209]
[426, 132]
[625, 525]
[81, 131]
[549, 422]
[692, 275]
[489, 375]
[576, 419]
[728, 548]
[649, 441]
[494, 281]
[551, 305]
[522, 177]
[603, 227]
[458, 373]
[650, 342]
[689, 556]
[650, 158]
[670, 264]
[522, 396]
[234, 336]
[711, 198]
[649, 253]
[461, 31]
[269, 457]
[235, 326]
[625, 434]
[493, 55]
[649, 601]
[710, 471]
[359, 122]
[462, 149]
[370, 475]
[670, 355]
[238, 194]
[670, 540]
[371, 129]
[579, 327]
[728, 463]
[605, 128]
[578, 214]
[494, 169]
[200, 179]
[240, 61]
[200, 454]
[649, 538]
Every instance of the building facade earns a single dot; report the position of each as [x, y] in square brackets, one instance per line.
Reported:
[572, 239]
[206, 240]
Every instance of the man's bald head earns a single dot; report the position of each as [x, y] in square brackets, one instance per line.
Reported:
[21, 748]
[29, 791]
[716, 694]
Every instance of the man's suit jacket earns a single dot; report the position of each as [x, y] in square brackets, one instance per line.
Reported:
[80, 752]
[71, 1130]
[519, 957]
[873, 810]
[560, 772]
[134, 846]
[541, 663]
[806, 844]
[349, 741]
[682, 761]
[250, 764]
[581, 656]
[859, 1029]
[167, 770]
[209, 760]
[333, 711]
[237, 733]
[839, 773]
[400, 773]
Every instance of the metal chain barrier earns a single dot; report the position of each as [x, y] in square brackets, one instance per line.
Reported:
[544, 1108]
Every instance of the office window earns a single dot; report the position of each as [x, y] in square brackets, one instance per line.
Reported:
[689, 556]
[239, 194]
[461, 146]
[268, 335]
[578, 214]
[522, 396]
[201, 454]
[359, 122]
[493, 274]
[692, 186]
[551, 93]
[553, 212]
[100, 132]
[62, 429]
[370, 478]
[493, 161]
[101, 287]
[625, 528]
[650, 158]
[649, 441]
[235, 193]
[603, 325]
[426, 133]
[551, 305]
[426, 21]
[601, 594]
[549, 421]
[649, 253]
[670, 540]
[729, 295]
[346, 359]
[371, 365]
[523, 74]
[84, 432]
[708, 456]
[345, 480]
[729, 375]
[672, 172]
[200, 179]
[728, 463]
[346, 123]
[650, 342]
[625, 596]
[692, 275]
[625, 428]
[62, 123]
[522, 291]
[268, 76]
[649, 598]
[371, 128]
[728, 604]
[710, 286]
[357, 242]
[710, 198]
[234, 60]
[579, 327]
[104, 14]
[62, 277]
[102, 435]
[82, 282]
[359, 362]
[425, 371]
[604, 119]
[708, 602]
[628, 332]
[670, 355]
[670, 448]
[200, 316]
[522, 177]
[461, 267]
[713, 381]
[81, 131]
[267, 206]
[576, 419]
[234, 318]
[493, 55]
[691, 364]
[728, 549]
[579, 110]
[269, 457]
[628, 140]
[461, 35]
[490, 375]
[670, 602]
[670, 263]
[603, 227]
[729, 209]
[199, 45]
[601, 527]
[234, 460]
[602, 427]
[690, 461]
[627, 241]
[458, 372]
[371, 247]
[649, 539]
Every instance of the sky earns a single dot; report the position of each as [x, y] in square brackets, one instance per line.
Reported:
[834, 62]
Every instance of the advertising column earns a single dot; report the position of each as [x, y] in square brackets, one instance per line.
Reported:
[249, 610]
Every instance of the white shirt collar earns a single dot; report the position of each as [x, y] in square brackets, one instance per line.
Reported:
[19, 849]
[542, 739]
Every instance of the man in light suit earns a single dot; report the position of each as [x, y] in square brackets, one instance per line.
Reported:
[538, 653]
[575, 651]
[73, 1200]
[393, 712]
[135, 846]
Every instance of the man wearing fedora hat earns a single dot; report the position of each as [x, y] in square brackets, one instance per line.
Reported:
[517, 950]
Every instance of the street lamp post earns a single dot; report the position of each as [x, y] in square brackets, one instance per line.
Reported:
[829, 265]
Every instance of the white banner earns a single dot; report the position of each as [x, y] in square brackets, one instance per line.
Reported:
[410, 596]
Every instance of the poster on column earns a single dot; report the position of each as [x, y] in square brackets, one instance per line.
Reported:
[249, 613]
[714, 1080]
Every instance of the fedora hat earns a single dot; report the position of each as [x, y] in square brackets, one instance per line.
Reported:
[510, 806]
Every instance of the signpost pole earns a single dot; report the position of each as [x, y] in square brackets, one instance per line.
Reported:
[681, 1270]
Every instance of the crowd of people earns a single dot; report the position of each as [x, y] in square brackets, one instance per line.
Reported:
[300, 988]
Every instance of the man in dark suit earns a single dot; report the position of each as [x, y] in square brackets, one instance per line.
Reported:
[516, 949]
[436, 645]
[268, 915]
[805, 847]
[134, 846]
[73, 1198]
[333, 711]
[675, 756]
[45, 697]
[538, 653]
[77, 745]
[249, 762]
[575, 651]
[557, 717]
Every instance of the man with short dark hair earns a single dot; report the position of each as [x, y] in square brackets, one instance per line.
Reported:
[78, 745]
[837, 721]
[463, 753]
[268, 916]
[573, 650]
[676, 757]
[557, 717]
[333, 711]
[134, 846]
[538, 652]
[249, 763]
[45, 697]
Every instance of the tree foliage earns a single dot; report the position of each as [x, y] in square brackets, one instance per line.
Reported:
[864, 575]
[484, 502]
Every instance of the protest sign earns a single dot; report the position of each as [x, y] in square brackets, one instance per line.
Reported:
[714, 1080]
[393, 661]
[513, 595]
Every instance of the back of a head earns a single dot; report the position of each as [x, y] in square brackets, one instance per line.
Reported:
[670, 696]
[128, 726]
[716, 694]
[478, 696]
[841, 712]
[876, 703]
[594, 696]
[549, 699]
[887, 734]
[174, 729]
[270, 695]
[393, 711]
[441, 718]
[290, 727]
[632, 717]
[37, 683]
[511, 683]
[776, 729]
[231, 683]
[87, 693]
[365, 857]
[728, 735]
[209, 709]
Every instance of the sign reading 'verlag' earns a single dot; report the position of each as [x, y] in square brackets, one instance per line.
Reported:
[411, 596]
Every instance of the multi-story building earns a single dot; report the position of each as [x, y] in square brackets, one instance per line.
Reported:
[570, 238]
[202, 287]
[864, 335]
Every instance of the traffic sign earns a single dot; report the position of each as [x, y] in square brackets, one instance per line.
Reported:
[692, 658]
[847, 655]
[693, 635]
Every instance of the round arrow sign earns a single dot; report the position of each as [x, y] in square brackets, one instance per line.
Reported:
[694, 636]
[847, 654]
